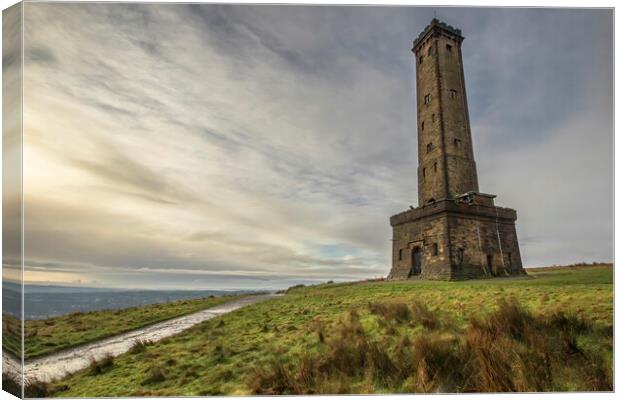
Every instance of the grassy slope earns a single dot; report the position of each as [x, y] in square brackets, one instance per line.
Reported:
[220, 356]
[11, 333]
[57, 333]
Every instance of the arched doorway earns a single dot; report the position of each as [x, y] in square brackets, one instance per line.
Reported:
[490, 265]
[416, 261]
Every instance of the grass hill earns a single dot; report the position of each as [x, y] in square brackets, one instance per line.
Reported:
[548, 331]
[47, 336]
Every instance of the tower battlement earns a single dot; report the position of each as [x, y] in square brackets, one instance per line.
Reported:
[456, 232]
[436, 26]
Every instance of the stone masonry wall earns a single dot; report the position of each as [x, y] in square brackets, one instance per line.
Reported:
[424, 234]
[474, 238]
[465, 236]
[446, 166]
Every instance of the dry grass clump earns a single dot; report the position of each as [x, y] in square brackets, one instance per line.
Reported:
[350, 356]
[11, 384]
[424, 316]
[398, 312]
[513, 351]
[139, 346]
[510, 350]
[102, 365]
[37, 389]
[432, 364]
[154, 374]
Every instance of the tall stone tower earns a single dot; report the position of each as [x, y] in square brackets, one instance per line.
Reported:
[456, 232]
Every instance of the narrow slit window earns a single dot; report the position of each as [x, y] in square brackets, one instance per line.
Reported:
[422, 125]
[461, 255]
[435, 249]
[421, 59]
[457, 143]
[423, 173]
[429, 147]
[427, 99]
[430, 50]
[435, 166]
[449, 48]
[452, 94]
[432, 117]
[400, 254]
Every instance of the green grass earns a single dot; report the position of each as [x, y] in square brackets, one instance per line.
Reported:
[50, 335]
[386, 337]
[11, 334]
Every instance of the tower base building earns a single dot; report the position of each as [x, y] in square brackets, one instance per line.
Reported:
[456, 232]
[464, 238]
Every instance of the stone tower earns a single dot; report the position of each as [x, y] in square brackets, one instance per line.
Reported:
[456, 232]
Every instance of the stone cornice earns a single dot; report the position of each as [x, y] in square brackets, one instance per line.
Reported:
[453, 207]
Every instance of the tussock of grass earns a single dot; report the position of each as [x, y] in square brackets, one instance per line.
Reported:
[398, 312]
[101, 365]
[154, 374]
[139, 346]
[509, 350]
[36, 388]
[424, 316]
[10, 384]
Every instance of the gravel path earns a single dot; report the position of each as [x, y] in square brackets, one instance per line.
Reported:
[57, 365]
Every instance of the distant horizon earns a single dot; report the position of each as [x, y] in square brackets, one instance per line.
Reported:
[86, 285]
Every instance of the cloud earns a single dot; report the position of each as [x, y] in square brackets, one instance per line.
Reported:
[190, 142]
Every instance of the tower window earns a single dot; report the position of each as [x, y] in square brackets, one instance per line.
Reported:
[427, 99]
[429, 147]
[432, 117]
[422, 125]
[423, 173]
[449, 48]
[400, 254]
[457, 143]
[435, 166]
[452, 94]
[420, 59]
[509, 258]
[460, 255]
[435, 249]
[430, 50]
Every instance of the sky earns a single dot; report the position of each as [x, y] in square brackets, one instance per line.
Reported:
[239, 146]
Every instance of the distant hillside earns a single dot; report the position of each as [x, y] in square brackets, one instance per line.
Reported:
[44, 301]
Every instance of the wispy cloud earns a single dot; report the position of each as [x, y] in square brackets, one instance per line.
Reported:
[181, 143]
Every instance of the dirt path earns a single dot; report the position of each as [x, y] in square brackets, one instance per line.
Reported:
[57, 365]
